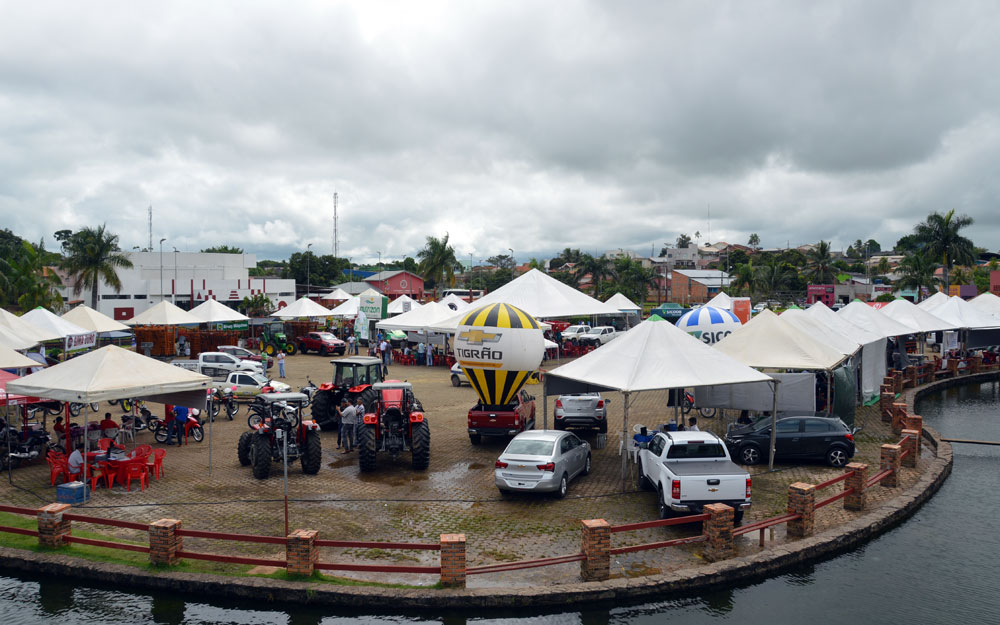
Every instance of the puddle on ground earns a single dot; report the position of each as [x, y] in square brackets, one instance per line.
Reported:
[475, 466]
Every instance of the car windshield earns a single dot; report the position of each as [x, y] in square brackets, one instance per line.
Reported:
[258, 378]
[530, 447]
[326, 336]
[594, 331]
[696, 450]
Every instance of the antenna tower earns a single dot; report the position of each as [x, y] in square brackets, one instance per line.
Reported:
[336, 246]
[150, 228]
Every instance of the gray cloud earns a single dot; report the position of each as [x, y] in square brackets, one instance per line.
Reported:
[535, 127]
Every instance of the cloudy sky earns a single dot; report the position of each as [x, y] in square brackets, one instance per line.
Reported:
[525, 125]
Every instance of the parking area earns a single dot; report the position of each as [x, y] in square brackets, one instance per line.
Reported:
[456, 494]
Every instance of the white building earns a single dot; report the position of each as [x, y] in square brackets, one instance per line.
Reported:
[186, 279]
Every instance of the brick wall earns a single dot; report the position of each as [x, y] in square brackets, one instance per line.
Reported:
[453, 560]
[596, 546]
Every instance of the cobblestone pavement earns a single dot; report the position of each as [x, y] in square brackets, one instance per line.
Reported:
[456, 494]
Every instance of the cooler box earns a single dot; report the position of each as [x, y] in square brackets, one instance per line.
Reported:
[73, 493]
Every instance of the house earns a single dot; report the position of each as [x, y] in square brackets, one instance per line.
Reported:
[697, 285]
[355, 288]
[396, 283]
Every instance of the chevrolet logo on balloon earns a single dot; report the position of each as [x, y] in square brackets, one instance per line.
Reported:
[478, 337]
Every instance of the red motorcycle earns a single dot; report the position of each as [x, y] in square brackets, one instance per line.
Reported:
[192, 428]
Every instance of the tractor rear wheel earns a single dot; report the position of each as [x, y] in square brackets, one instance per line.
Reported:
[261, 457]
[290, 349]
[312, 454]
[322, 406]
[243, 448]
[421, 445]
[366, 448]
[270, 349]
[368, 398]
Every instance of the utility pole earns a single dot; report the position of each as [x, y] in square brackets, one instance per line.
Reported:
[161, 268]
[336, 242]
[174, 293]
[308, 271]
[513, 264]
[150, 228]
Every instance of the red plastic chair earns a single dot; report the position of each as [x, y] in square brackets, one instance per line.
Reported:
[106, 473]
[57, 467]
[135, 471]
[104, 443]
[155, 467]
[142, 451]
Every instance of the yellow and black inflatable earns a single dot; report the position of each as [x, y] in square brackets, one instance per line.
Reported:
[498, 346]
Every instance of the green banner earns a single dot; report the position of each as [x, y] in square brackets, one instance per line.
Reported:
[233, 325]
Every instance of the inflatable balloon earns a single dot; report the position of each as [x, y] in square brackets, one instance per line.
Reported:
[709, 324]
[498, 346]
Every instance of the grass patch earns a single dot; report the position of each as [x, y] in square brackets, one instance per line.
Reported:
[338, 581]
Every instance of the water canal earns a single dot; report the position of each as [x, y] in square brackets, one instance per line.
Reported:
[938, 567]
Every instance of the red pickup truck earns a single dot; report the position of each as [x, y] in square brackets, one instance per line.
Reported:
[322, 342]
[502, 420]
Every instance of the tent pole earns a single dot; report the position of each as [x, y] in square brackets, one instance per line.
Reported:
[211, 420]
[545, 403]
[774, 424]
[86, 440]
[625, 446]
[829, 390]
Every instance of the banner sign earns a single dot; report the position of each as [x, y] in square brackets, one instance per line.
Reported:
[232, 325]
[361, 325]
[373, 306]
[81, 341]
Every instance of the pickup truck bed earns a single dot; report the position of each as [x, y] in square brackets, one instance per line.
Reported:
[707, 467]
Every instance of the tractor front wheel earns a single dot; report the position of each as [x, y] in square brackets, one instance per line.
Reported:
[270, 349]
[290, 349]
[312, 455]
[322, 407]
[368, 397]
[243, 448]
[261, 457]
[366, 448]
[421, 446]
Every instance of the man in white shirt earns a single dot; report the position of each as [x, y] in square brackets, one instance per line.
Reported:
[75, 460]
[348, 419]
[693, 425]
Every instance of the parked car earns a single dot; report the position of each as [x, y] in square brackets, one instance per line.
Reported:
[797, 438]
[321, 342]
[251, 383]
[586, 410]
[509, 420]
[543, 461]
[574, 332]
[218, 364]
[243, 354]
[458, 376]
[689, 470]
[599, 336]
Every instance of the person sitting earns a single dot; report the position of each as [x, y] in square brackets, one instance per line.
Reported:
[108, 424]
[744, 418]
[60, 430]
[693, 424]
[75, 460]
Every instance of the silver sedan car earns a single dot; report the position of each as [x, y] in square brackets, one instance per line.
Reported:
[542, 461]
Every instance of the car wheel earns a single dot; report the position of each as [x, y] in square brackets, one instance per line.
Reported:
[455, 381]
[563, 486]
[737, 517]
[302, 348]
[750, 454]
[586, 466]
[475, 439]
[663, 509]
[836, 457]
[322, 351]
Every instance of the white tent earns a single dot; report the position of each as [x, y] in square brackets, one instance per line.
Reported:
[986, 302]
[768, 342]
[962, 314]
[815, 328]
[861, 314]
[623, 303]
[542, 297]
[933, 301]
[89, 319]
[455, 303]
[10, 359]
[348, 309]
[721, 301]
[914, 317]
[13, 341]
[397, 305]
[74, 337]
[369, 292]
[164, 314]
[302, 307]
[26, 330]
[337, 294]
[873, 346]
[211, 311]
[651, 356]
[418, 319]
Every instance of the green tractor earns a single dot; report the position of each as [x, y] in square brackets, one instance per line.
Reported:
[274, 339]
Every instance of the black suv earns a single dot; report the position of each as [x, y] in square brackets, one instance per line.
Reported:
[798, 438]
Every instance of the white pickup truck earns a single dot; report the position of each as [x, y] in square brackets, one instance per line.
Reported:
[218, 364]
[692, 469]
[574, 332]
[598, 336]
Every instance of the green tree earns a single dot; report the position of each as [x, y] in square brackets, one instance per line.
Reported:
[92, 257]
[754, 241]
[222, 249]
[438, 262]
[631, 279]
[598, 267]
[568, 255]
[772, 277]
[942, 240]
[883, 267]
[684, 240]
[962, 275]
[917, 272]
[27, 281]
[534, 263]
[819, 269]
[410, 264]
[907, 243]
[872, 247]
[743, 279]
[885, 297]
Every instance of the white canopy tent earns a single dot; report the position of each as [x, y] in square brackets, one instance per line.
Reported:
[815, 328]
[873, 346]
[73, 336]
[623, 304]
[26, 330]
[455, 303]
[369, 292]
[211, 311]
[418, 319]
[347, 309]
[986, 302]
[10, 359]
[914, 317]
[962, 314]
[10, 340]
[302, 307]
[397, 306]
[861, 314]
[337, 295]
[164, 314]
[934, 301]
[721, 301]
[651, 356]
[89, 319]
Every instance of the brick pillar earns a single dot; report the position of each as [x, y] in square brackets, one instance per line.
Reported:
[858, 480]
[916, 423]
[976, 363]
[301, 553]
[52, 528]
[596, 546]
[885, 400]
[909, 444]
[898, 414]
[911, 375]
[719, 532]
[801, 500]
[453, 560]
[164, 543]
[953, 367]
[889, 459]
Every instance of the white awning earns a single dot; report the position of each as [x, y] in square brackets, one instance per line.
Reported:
[89, 319]
[302, 307]
[863, 315]
[211, 311]
[768, 342]
[164, 314]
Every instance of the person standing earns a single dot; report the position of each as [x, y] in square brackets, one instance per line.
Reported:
[168, 422]
[384, 349]
[351, 347]
[359, 418]
[430, 355]
[263, 360]
[347, 421]
[180, 420]
[421, 353]
[281, 363]
[338, 418]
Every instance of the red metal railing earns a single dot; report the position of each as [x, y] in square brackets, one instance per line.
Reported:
[833, 498]
[377, 545]
[628, 527]
[524, 564]
[836, 480]
[18, 530]
[765, 523]
[16, 510]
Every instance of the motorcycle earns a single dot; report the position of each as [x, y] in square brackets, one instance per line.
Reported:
[143, 421]
[688, 403]
[192, 428]
[309, 390]
[223, 398]
[17, 446]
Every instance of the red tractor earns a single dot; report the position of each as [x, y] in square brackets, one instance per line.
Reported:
[395, 424]
[352, 377]
[283, 429]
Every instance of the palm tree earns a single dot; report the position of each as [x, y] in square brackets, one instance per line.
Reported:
[940, 236]
[438, 261]
[819, 268]
[754, 241]
[772, 277]
[599, 268]
[962, 275]
[93, 257]
[883, 267]
[27, 280]
[916, 272]
[743, 278]
[632, 279]
[683, 241]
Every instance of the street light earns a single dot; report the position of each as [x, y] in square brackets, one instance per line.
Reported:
[513, 263]
[174, 294]
[161, 267]
[308, 273]
[381, 286]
